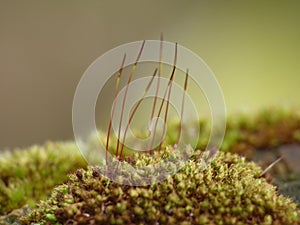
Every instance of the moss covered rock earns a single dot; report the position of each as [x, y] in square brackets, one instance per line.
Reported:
[229, 191]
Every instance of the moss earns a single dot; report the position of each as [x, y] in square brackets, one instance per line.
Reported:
[29, 175]
[267, 129]
[229, 191]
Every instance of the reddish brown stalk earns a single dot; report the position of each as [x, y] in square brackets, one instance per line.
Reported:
[169, 95]
[113, 108]
[125, 95]
[182, 105]
[159, 75]
[158, 82]
[134, 111]
[169, 87]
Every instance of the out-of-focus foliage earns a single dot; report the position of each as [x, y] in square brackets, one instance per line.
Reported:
[28, 175]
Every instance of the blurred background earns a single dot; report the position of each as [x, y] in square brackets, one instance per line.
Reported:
[253, 47]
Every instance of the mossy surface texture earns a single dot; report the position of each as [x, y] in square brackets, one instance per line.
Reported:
[230, 191]
[28, 175]
[268, 129]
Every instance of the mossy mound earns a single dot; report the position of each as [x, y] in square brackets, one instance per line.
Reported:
[228, 191]
[28, 175]
[267, 129]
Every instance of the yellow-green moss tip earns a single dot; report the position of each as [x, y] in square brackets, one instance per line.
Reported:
[228, 191]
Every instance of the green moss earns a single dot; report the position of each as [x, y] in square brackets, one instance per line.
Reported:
[29, 175]
[267, 129]
[229, 191]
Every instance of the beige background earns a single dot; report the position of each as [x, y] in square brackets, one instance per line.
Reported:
[45, 46]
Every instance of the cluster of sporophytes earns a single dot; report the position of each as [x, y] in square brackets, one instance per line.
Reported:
[228, 191]
[28, 175]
